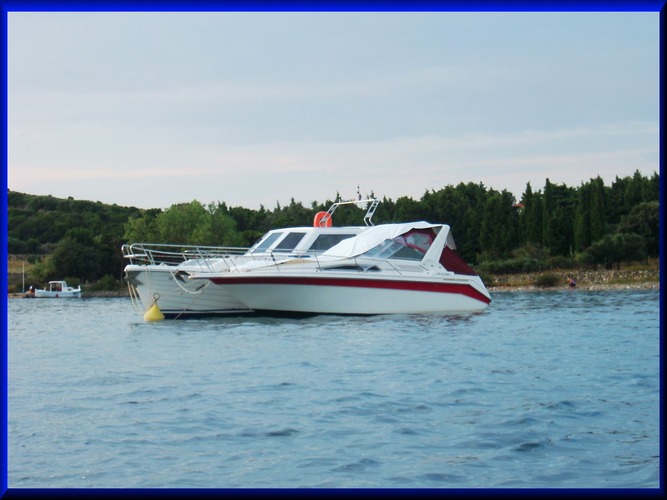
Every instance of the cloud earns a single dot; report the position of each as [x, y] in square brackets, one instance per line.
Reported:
[256, 107]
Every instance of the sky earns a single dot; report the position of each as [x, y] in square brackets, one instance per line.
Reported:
[151, 109]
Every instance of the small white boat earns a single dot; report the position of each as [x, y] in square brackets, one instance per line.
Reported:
[409, 268]
[58, 290]
[158, 273]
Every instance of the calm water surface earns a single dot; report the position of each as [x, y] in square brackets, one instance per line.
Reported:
[544, 389]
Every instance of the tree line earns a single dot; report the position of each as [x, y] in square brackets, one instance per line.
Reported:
[556, 226]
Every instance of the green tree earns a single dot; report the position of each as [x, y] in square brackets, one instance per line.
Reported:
[558, 215]
[582, 218]
[531, 216]
[614, 249]
[293, 215]
[590, 221]
[218, 229]
[74, 258]
[652, 188]
[407, 210]
[178, 224]
[548, 215]
[143, 228]
[462, 208]
[384, 213]
[250, 224]
[468, 226]
[634, 191]
[616, 205]
[499, 225]
[598, 209]
[644, 220]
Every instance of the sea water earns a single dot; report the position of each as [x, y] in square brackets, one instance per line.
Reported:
[554, 389]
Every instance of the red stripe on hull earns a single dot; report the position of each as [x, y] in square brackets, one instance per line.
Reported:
[419, 286]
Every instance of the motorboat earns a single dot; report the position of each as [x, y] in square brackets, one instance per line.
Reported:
[158, 273]
[405, 268]
[58, 290]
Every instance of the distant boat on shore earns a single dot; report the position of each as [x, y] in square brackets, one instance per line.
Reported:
[57, 290]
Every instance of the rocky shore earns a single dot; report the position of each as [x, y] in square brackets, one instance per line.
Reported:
[585, 280]
[592, 286]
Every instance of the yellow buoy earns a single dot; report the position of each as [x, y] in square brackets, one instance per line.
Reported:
[153, 313]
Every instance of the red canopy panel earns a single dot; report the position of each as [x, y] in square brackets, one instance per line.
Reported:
[451, 261]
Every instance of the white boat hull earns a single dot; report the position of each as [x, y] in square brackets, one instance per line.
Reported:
[180, 297]
[349, 295]
[58, 290]
[47, 294]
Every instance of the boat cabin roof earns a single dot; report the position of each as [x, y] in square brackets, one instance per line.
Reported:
[316, 239]
[303, 240]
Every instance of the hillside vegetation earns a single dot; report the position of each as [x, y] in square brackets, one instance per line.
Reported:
[558, 227]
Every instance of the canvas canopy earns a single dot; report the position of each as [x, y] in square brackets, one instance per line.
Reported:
[374, 236]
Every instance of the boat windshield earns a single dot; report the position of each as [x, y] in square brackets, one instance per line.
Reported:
[412, 245]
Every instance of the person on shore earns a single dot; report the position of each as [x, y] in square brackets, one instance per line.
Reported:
[571, 283]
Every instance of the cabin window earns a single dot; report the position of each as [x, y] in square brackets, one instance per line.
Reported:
[267, 242]
[290, 242]
[326, 241]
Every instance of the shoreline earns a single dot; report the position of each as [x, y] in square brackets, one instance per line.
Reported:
[84, 294]
[587, 287]
[500, 288]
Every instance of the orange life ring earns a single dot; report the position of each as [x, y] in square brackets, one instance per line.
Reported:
[317, 222]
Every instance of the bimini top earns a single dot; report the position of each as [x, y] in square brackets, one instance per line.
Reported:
[418, 235]
[429, 244]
